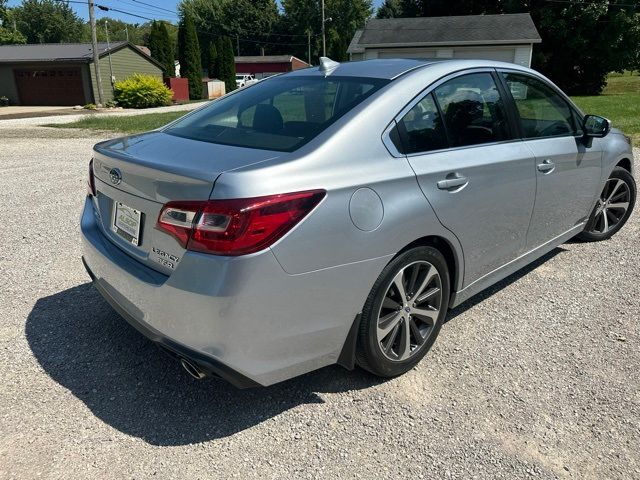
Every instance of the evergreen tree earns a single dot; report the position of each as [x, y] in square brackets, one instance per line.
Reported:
[389, 9]
[219, 64]
[167, 46]
[212, 60]
[155, 44]
[228, 65]
[161, 49]
[189, 56]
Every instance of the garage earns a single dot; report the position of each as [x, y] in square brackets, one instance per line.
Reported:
[54, 86]
[504, 38]
[64, 74]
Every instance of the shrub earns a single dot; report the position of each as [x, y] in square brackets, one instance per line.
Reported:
[90, 106]
[142, 91]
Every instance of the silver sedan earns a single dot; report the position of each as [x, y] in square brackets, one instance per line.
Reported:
[335, 214]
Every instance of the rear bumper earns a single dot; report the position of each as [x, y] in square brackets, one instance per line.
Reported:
[242, 318]
[210, 365]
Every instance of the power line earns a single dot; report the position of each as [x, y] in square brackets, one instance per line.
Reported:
[148, 10]
[105, 8]
[156, 7]
[581, 2]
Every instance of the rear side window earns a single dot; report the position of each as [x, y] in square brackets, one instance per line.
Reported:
[422, 129]
[543, 112]
[473, 110]
[280, 114]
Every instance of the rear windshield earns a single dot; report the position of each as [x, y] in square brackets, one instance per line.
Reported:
[281, 113]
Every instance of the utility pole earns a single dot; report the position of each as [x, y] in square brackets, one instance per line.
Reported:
[309, 46]
[96, 54]
[126, 31]
[106, 30]
[324, 41]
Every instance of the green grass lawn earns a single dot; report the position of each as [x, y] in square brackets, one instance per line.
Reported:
[620, 103]
[123, 123]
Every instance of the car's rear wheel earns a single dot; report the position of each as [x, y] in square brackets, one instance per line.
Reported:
[613, 208]
[404, 312]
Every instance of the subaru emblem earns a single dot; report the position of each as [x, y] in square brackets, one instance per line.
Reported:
[116, 176]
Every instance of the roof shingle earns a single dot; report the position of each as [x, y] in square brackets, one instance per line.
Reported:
[455, 30]
[47, 52]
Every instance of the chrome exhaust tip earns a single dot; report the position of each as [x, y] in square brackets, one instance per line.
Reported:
[192, 369]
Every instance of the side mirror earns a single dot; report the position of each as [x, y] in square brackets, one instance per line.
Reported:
[596, 126]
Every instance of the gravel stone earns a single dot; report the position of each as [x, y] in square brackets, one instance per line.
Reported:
[535, 378]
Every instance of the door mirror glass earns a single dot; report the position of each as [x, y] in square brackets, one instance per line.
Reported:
[596, 126]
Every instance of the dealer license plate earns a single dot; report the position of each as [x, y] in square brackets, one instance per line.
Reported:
[126, 222]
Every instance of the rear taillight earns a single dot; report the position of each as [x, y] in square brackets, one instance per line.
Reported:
[91, 182]
[236, 227]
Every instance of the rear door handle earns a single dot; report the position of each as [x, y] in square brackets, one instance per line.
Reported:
[453, 182]
[547, 166]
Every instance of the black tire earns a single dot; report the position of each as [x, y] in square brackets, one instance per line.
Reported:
[591, 232]
[369, 354]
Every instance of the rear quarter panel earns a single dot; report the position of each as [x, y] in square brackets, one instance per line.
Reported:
[348, 156]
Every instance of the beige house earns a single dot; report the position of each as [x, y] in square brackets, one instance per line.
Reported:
[507, 38]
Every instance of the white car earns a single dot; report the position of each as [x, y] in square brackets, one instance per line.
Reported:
[244, 80]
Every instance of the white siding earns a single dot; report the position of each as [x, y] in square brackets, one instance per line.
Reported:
[518, 54]
[406, 53]
[523, 55]
[485, 53]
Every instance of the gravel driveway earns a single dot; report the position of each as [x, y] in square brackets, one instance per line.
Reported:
[536, 378]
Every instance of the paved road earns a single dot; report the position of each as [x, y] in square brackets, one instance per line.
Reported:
[538, 378]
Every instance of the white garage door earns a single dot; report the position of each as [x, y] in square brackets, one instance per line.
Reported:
[500, 55]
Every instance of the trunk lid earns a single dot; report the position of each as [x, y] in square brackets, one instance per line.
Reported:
[136, 176]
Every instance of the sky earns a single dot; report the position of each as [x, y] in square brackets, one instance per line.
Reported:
[153, 9]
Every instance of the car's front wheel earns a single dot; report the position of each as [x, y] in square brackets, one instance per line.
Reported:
[613, 208]
[404, 312]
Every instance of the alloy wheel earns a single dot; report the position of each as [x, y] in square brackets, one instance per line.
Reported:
[409, 310]
[612, 206]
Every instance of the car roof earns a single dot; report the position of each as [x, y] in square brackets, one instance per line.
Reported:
[391, 68]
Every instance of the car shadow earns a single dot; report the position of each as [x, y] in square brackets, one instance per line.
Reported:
[127, 382]
[483, 295]
[131, 385]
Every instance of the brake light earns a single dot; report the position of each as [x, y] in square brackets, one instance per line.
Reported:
[236, 227]
[91, 182]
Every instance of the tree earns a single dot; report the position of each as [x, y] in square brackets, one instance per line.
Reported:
[252, 22]
[10, 37]
[161, 47]
[581, 41]
[389, 9]
[169, 55]
[346, 16]
[300, 17]
[212, 61]
[189, 56]
[228, 65]
[8, 34]
[48, 21]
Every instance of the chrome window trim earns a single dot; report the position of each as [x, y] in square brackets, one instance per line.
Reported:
[463, 147]
[572, 106]
[386, 135]
[431, 87]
